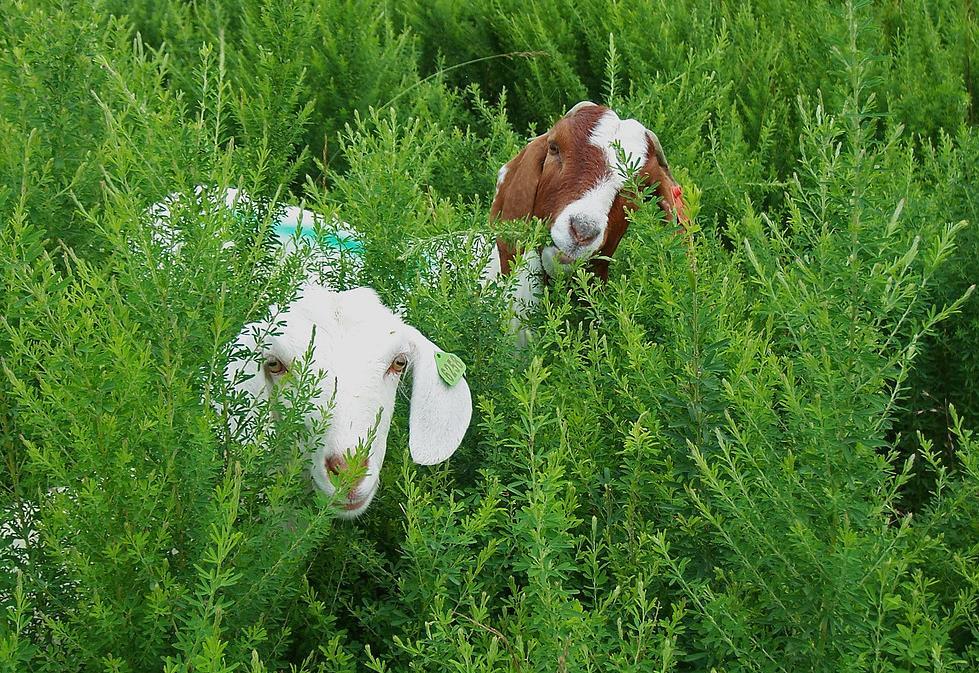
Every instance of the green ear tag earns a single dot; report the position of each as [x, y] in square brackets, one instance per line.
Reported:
[450, 367]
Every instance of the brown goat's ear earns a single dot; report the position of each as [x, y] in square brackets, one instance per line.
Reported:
[657, 170]
[578, 106]
[517, 191]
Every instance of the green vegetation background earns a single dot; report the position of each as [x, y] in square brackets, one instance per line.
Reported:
[750, 451]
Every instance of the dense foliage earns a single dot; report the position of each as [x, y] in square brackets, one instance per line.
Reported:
[749, 451]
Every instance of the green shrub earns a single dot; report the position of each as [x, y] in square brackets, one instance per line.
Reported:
[750, 450]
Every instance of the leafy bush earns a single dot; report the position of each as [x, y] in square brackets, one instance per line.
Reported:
[751, 450]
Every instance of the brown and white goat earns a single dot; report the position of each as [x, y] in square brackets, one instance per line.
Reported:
[572, 177]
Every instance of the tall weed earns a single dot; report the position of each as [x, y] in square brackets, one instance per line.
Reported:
[752, 449]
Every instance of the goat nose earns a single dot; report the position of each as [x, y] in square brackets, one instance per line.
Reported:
[335, 464]
[583, 231]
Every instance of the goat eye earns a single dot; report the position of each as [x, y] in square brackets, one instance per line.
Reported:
[398, 364]
[274, 365]
[553, 148]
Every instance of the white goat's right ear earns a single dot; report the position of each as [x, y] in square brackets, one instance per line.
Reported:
[440, 413]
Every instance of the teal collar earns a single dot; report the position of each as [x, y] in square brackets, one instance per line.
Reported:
[341, 241]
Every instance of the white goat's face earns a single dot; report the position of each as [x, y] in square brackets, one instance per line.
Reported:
[362, 350]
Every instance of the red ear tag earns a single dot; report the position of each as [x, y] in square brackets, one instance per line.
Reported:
[681, 210]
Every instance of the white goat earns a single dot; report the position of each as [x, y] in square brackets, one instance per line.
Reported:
[361, 349]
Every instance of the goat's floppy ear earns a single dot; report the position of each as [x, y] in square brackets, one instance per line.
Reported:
[440, 413]
[578, 106]
[517, 191]
[657, 169]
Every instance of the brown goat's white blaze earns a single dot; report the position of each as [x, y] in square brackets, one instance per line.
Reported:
[572, 177]
[581, 227]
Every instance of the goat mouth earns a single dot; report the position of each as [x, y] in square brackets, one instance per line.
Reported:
[568, 254]
[555, 260]
[354, 501]
[351, 505]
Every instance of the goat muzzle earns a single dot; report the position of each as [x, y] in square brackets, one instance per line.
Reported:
[583, 231]
[336, 465]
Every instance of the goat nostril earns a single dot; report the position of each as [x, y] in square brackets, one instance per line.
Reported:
[335, 464]
[583, 231]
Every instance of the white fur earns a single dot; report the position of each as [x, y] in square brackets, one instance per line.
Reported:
[169, 238]
[526, 295]
[554, 262]
[493, 269]
[524, 289]
[501, 176]
[354, 340]
[594, 205]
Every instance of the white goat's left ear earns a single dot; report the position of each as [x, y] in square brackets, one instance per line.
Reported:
[440, 413]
